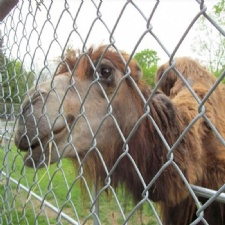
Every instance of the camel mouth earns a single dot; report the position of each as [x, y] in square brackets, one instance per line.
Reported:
[36, 145]
[39, 154]
[35, 158]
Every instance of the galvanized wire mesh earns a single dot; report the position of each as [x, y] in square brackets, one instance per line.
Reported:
[35, 36]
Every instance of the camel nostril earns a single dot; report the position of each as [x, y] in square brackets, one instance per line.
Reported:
[70, 118]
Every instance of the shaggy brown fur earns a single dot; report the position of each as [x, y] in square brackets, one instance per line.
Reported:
[200, 155]
[212, 150]
[191, 70]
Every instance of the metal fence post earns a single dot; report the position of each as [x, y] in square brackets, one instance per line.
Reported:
[5, 133]
[5, 144]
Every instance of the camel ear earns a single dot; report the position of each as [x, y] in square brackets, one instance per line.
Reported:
[69, 62]
[169, 80]
[159, 73]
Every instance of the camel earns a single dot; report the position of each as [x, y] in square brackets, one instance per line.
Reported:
[99, 112]
[191, 70]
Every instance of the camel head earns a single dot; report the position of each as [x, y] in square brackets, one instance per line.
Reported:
[82, 108]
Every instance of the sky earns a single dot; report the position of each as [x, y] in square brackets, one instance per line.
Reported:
[44, 32]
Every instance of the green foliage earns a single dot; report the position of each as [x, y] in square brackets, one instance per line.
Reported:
[209, 44]
[59, 185]
[148, 59]
[219, 7]
[16, 81]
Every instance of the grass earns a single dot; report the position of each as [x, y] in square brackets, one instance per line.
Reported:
[60, 186]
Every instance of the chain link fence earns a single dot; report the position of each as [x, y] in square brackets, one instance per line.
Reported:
[89, 120]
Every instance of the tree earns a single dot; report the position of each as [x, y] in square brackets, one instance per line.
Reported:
[148, 60]
[15, 81]
[209, 43]
[219, 9]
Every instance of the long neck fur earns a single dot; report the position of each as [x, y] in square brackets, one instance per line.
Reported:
[150, 154]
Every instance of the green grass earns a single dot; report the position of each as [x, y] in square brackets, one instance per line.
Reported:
[59, 185]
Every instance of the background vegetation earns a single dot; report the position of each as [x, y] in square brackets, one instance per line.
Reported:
[209, 43]
[15, 81]
[61, 187]
[148, 60]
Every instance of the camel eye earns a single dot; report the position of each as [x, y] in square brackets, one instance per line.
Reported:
[105, 72]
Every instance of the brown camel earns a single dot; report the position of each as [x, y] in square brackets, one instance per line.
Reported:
[95, 110]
